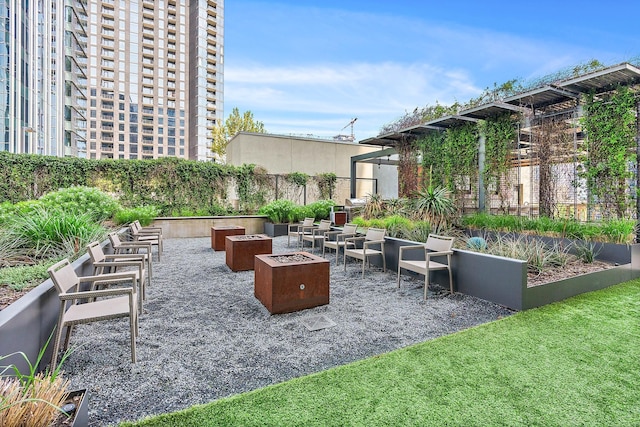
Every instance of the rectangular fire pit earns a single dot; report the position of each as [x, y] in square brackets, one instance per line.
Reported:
[291, 282]
[218, 235]
[241, 250]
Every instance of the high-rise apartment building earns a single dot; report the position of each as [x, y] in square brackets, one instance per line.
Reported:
[155, 77]
[42, 77]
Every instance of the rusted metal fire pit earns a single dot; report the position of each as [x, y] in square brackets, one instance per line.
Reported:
[291, 282]
[241, 250]
[218, 235]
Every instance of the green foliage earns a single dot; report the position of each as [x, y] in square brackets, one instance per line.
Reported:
[320, 209]
[586, 251]
[461, 160]
[397, 225]
[326, 184]
[45, 234]
[145, 214]
[539, 256]
[24, 276]
[612, 231]
[279, 211]
[434, 159]
[81, 200]
[236, 122]
[610, 124]
[434, 204]
[500, 136]
[297, 178]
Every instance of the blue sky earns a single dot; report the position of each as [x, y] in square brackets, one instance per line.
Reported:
[309, 67]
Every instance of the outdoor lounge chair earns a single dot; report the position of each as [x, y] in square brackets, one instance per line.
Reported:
[317, 234]
[375, 238]
[103, 263]
[122, 304]
[436, 246]
[298, 230]
[336, 239]
[151, 235]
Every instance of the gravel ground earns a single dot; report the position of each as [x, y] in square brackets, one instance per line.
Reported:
[204, 335]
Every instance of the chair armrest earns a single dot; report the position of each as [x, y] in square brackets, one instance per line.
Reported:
[408, 248]
[97, 293]
[373, 242]
[108, 276]
[441, 253]
[352, 240]
[131, 263]
[127, 257]
[333, 233]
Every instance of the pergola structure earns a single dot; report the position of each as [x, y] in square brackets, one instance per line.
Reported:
[560, 99]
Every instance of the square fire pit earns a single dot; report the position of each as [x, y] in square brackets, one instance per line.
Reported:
[218, 235]
[241, 250]
[291, 282]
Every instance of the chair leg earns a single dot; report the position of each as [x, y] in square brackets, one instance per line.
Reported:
[133, 332]
[426, 283]
[56, 347]
[384, 264]
[398, 280]
[450, 281]
[363, 259]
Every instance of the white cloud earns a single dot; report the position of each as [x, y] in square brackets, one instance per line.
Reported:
[328, 94]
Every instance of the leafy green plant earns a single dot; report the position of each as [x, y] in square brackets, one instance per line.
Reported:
[326, 184]
[50, 234]
[25, 276]
[82, 200]
[278, 211]
[397, 225]
[145, 214]
[320, 209]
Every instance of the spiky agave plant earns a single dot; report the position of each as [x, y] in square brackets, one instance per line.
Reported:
[435, 206]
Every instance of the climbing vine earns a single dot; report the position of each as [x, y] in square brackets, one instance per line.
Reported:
[500, 138]
[433, 160]
[326, 184]
[461, 160]
[609, 122]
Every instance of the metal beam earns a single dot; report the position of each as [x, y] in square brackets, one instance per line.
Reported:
[362, 157]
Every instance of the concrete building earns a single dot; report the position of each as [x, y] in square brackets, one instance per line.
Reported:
[155, 77]
[282, 154]
[42, 77]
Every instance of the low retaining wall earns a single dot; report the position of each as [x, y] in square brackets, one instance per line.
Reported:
[200, 226]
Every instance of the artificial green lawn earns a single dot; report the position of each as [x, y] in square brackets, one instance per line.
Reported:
[573, 363]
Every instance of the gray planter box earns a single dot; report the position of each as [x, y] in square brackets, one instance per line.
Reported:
[27, 324]
[275, 230]
[504, 280]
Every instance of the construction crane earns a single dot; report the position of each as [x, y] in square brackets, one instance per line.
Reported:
[347, 137]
